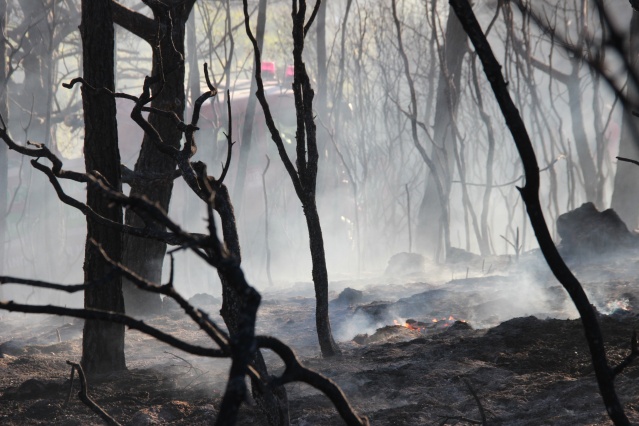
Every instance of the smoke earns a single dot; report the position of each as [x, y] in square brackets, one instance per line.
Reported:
[371, 177]
[359, 323]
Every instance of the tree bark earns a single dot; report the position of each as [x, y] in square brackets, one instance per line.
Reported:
[431, 236]
[103, 342]
[320, 278]
[194, 67]
[307, 167]
[144, 256]
[4, 113]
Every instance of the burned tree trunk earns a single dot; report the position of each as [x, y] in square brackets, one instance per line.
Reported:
[304, 173]
[4, 113]
[102, 342]
[320, 278]
[143, 256]
[433, 218]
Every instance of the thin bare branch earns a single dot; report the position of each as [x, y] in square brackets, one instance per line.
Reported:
[229, 139]
[116, 318]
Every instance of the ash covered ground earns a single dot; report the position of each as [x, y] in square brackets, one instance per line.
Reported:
[415, 347]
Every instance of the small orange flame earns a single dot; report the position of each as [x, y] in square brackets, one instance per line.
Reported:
[406, 325]
[422, 327]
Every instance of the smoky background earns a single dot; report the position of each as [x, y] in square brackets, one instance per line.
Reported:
[373, 195]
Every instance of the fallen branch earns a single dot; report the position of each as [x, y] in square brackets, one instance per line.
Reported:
[480, 407]
[84, 397]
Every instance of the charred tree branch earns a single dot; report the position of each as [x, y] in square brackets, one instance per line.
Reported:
[634, 353]
[69, 288]
[209, 327]
[116, 318]
[229, 139]
[530, 195]
[138, 24]
[296, 372]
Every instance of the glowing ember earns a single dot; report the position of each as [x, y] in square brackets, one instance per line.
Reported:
[409, 324]
[434, 324]
[618, 305]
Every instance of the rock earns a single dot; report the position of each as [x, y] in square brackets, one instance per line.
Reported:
[361, 339]
[204, 300]
[375, 310]
[586, 231]
[349, 297]
[457, 255]
[460, 325]
[12, 347]
[405, 264]
[31, 388]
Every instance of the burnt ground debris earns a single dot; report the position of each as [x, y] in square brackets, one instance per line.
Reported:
[414, 347]
[525, 370]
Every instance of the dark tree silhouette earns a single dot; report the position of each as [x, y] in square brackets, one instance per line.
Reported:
[4, 112]
[304, 176]
[166, 35]
[530, 194]
[102, 342]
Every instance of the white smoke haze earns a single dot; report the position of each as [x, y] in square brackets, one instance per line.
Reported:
[362, 195]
